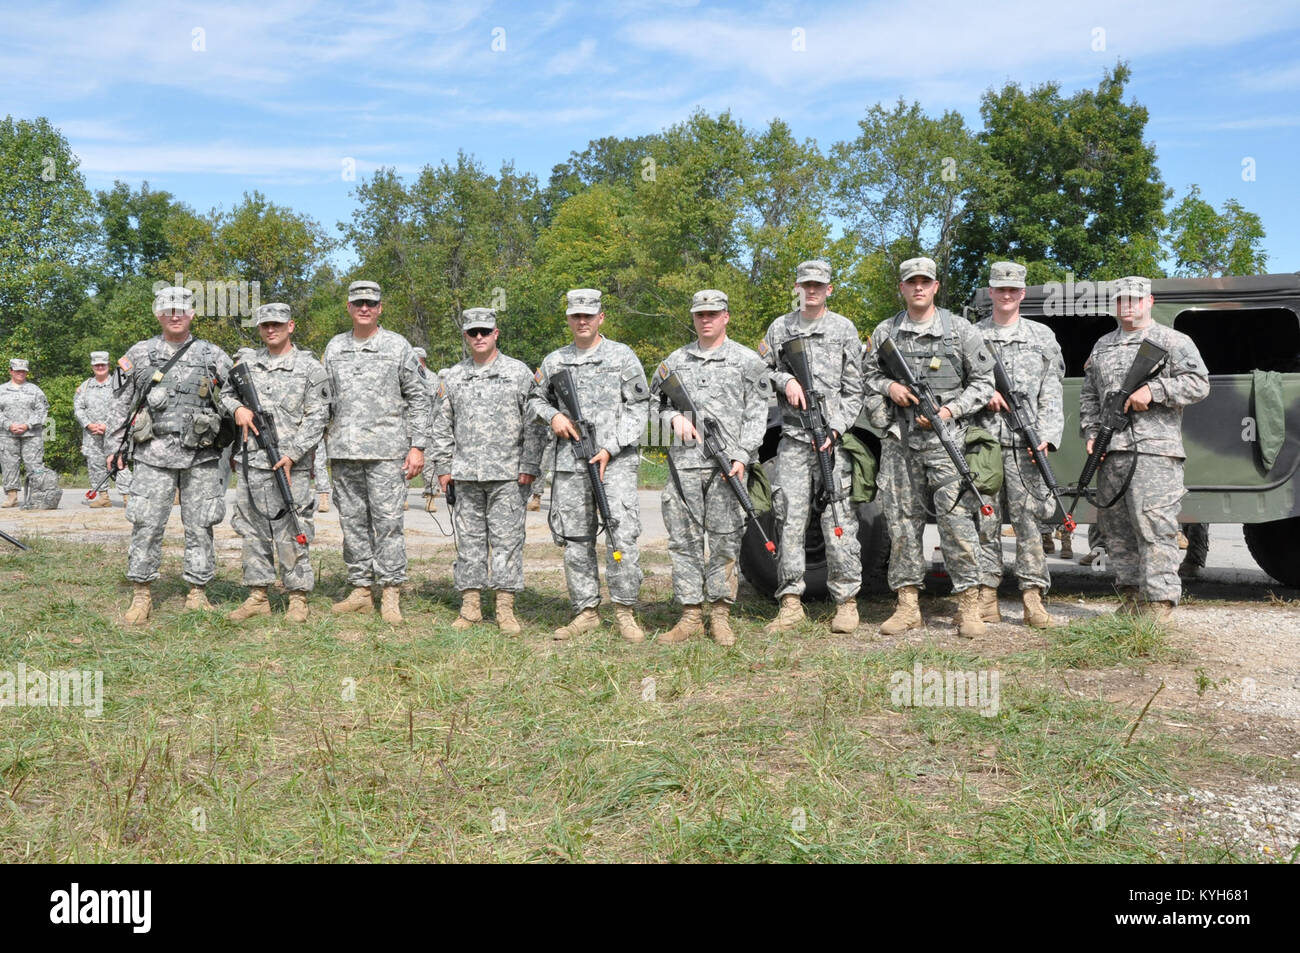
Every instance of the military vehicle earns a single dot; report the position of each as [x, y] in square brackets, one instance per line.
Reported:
[1244, 327]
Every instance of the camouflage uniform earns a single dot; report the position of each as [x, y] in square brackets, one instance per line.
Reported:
[90, 405]
[547, 471]
[381, 412]
[294, 389]
[836, 363]
[1032, 358]
[318, 462]
[729, 384]
[614, 397]
[484, 439]
[1141, 528]
[433, 385]
[177, 454]
[22, 404]
[913, 464]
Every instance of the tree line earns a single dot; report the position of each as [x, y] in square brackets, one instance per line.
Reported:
[1065, 184]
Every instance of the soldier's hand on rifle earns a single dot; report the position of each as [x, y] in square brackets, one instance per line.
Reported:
[601, 458]
[794, 394]
[1140, 399]
[944, 414]
[998, 402]
[244, 420]
[826, 444]
[683, 427]
[115, 462]
[1088, 450]
[414, 462]
[900, 395]
[737, 469]
[444, 481]
[562, 426]
[526, 478]
[285, 464]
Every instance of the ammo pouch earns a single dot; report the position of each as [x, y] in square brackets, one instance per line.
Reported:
[142, 426]
[201, 430]
[984, 457]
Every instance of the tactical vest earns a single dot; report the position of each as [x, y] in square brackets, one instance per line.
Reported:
[184, 394]
[922, 353]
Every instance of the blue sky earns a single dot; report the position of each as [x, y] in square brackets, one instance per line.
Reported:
[276, 95]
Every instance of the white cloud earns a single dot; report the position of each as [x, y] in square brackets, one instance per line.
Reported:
[567, 62]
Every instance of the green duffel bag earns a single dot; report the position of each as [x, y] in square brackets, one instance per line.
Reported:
[984, 457]
[760, 488]
[864, 465]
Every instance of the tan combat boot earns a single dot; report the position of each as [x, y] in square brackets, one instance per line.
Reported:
[907, 615]
[585, 621]
[11, 499]
[406, 503]
[689, 625]
[323, 504]
[1036, 615]
[297, 607]
[100, 501]
[720, 623]
[255, 604]
[124, 496]
[1158, 612]
[990, 611]
[1128, 600]
[627, 624]
[534, 504]
[1067, 543]
[846, 616]
[506, 620]
[141, 604]
[360, 599]
[197, 600]
[430, 504]
[790, 614]
[390, 605]
[471, 608]
[969, 624]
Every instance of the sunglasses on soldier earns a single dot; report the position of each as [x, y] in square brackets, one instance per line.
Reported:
[366, 304]
[479, 332]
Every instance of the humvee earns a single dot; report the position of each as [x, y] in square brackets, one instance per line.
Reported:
[1240, 325]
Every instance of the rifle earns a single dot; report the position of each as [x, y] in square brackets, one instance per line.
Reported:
[896, 366]
[1021, 421]
[241, 378]
[712, 446]
[1145, 362]
[17, 542]
[584, 448]
[794, 354]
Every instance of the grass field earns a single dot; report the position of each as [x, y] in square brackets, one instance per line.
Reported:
[345, 740]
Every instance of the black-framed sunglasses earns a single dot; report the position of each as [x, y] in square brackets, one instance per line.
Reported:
[479, 332]
[366, 304]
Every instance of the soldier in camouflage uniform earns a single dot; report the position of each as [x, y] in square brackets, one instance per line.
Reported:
[23, 412]
[1033, 361]
[547, 474]
[614, 398]
[318, 464]
[175, 433]
[432, 383]
[90, 406]
[376, 443]
[485, 441]
[293, 389]
[949, 353]
[1141, 527]
[728, 383]
[836, 364]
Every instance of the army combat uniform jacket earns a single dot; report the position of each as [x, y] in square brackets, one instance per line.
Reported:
[381, 405]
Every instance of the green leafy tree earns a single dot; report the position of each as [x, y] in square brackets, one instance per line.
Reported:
[1209, 244]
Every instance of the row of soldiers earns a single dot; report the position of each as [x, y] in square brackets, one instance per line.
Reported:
[488, 421]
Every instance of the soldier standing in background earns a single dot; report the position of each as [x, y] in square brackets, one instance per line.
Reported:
[949, 353]
[485, 442]
[836, 365]
[547, 474]
[1032, 359]
[90, 405]
[1141, 526]
[432, 383]
[728, 383]
[376, 443]
[318, 464]
[176, 436]
[293, 389]
[614, 398]
[23, 412]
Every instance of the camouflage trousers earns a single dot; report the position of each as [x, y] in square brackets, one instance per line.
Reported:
[30, 450]
[317, 465]
[1141, 528]
[708, 513]
[1021, 502]
[369, 495]
[798, 477]
[265, 539]
[573, 513]
[906, 480]
[203, 505]
[97, 467]
[489, 520]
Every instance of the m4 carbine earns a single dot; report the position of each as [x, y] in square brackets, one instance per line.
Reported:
[242, 380]
[584, 448]
[795, 356]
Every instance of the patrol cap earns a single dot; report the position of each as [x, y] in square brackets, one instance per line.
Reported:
[98, 357]
[173, 299]
[918, 266]
[709, 300]
[583, 301]
[1006, 274]
[364, 291]
[1134, 286]
[814, 270]
[478, 318]
[271, 314]
[17, 364]
[421, 353]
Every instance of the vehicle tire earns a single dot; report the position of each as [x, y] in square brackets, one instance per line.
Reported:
[1276, 548]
